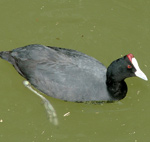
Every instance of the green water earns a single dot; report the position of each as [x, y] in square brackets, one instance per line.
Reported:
[104, 29]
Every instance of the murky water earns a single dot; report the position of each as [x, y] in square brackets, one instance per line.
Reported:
[102, 29]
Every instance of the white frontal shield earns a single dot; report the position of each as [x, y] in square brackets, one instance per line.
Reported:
[138, 72]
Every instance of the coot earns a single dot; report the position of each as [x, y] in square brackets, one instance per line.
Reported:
[71, 75]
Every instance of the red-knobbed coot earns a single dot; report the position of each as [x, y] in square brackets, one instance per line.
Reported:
[71, 75]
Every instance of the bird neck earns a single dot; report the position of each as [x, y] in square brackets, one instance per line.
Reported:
[117, 90]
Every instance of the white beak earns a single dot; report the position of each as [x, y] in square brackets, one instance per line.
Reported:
[138, 72]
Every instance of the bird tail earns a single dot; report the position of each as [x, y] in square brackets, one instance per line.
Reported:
[6, 55]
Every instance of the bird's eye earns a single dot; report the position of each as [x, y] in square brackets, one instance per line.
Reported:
[129, 66]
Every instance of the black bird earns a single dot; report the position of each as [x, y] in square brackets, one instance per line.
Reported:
[71, 75]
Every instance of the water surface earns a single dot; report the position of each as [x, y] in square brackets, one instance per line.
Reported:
[105, 30]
